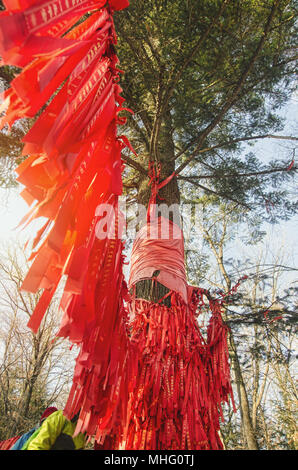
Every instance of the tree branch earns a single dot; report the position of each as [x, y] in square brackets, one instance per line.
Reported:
[240, 175]
[178, 72]
[225, 196]
[235, 141]
[137, 166]
[157, 118]
[142, 135]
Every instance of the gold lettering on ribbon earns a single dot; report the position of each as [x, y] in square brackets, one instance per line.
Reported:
[50, 11]
[33, 19]
[38, 16]
[81, 69]
[96, 115]
[108, 144]
[57, 28]
[89, 85]
[44, 15]
[55, 8]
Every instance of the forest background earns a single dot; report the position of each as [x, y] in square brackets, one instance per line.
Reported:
[214, 95]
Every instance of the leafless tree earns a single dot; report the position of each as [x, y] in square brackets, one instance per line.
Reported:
[36, 369]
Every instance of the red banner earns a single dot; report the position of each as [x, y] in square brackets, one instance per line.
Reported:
[153, 384]
[73, 165]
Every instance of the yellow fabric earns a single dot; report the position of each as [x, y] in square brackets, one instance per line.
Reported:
[50, 429]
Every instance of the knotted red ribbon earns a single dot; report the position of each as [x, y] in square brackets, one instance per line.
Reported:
[182, 379]
[154, 171]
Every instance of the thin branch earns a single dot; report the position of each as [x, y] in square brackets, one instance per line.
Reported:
[130, 162]
[235, 141]
[143, 114]
[132, 45]
[157, 118]
[225, 196]
[171, 86]
[240, 175]
[153, 49]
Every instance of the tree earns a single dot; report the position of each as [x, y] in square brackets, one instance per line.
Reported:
[35, 369]
[202, 84]
[261, 320]
[199, 87]
[272, 355]
[215, 230]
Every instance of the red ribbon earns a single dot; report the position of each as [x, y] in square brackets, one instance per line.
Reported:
[154, 384]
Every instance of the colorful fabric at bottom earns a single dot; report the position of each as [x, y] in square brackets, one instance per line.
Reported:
[19, 444]
[52, 427]
[6, 445]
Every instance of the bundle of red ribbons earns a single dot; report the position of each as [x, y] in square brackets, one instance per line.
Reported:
[155, 383]
[69, 74]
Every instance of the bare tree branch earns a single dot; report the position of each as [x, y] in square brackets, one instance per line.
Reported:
[234, 141]
[225, 196]
[240, 175]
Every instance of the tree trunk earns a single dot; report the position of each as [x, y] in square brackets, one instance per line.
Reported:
[168, 196]
[248, 430]
[170, 360]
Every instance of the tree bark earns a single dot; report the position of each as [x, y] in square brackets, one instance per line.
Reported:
[248, 431]
[169, 195]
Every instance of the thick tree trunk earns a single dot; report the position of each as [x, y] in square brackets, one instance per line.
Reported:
[167, 350]
[167, 196]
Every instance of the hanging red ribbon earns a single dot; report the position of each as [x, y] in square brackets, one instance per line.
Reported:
[182, 379]
[152, 384]
[73, 166]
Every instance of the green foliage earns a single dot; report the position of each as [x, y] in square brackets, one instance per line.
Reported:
[202, 81]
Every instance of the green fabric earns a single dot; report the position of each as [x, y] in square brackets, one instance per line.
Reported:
[45, 437]
[30, 439]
